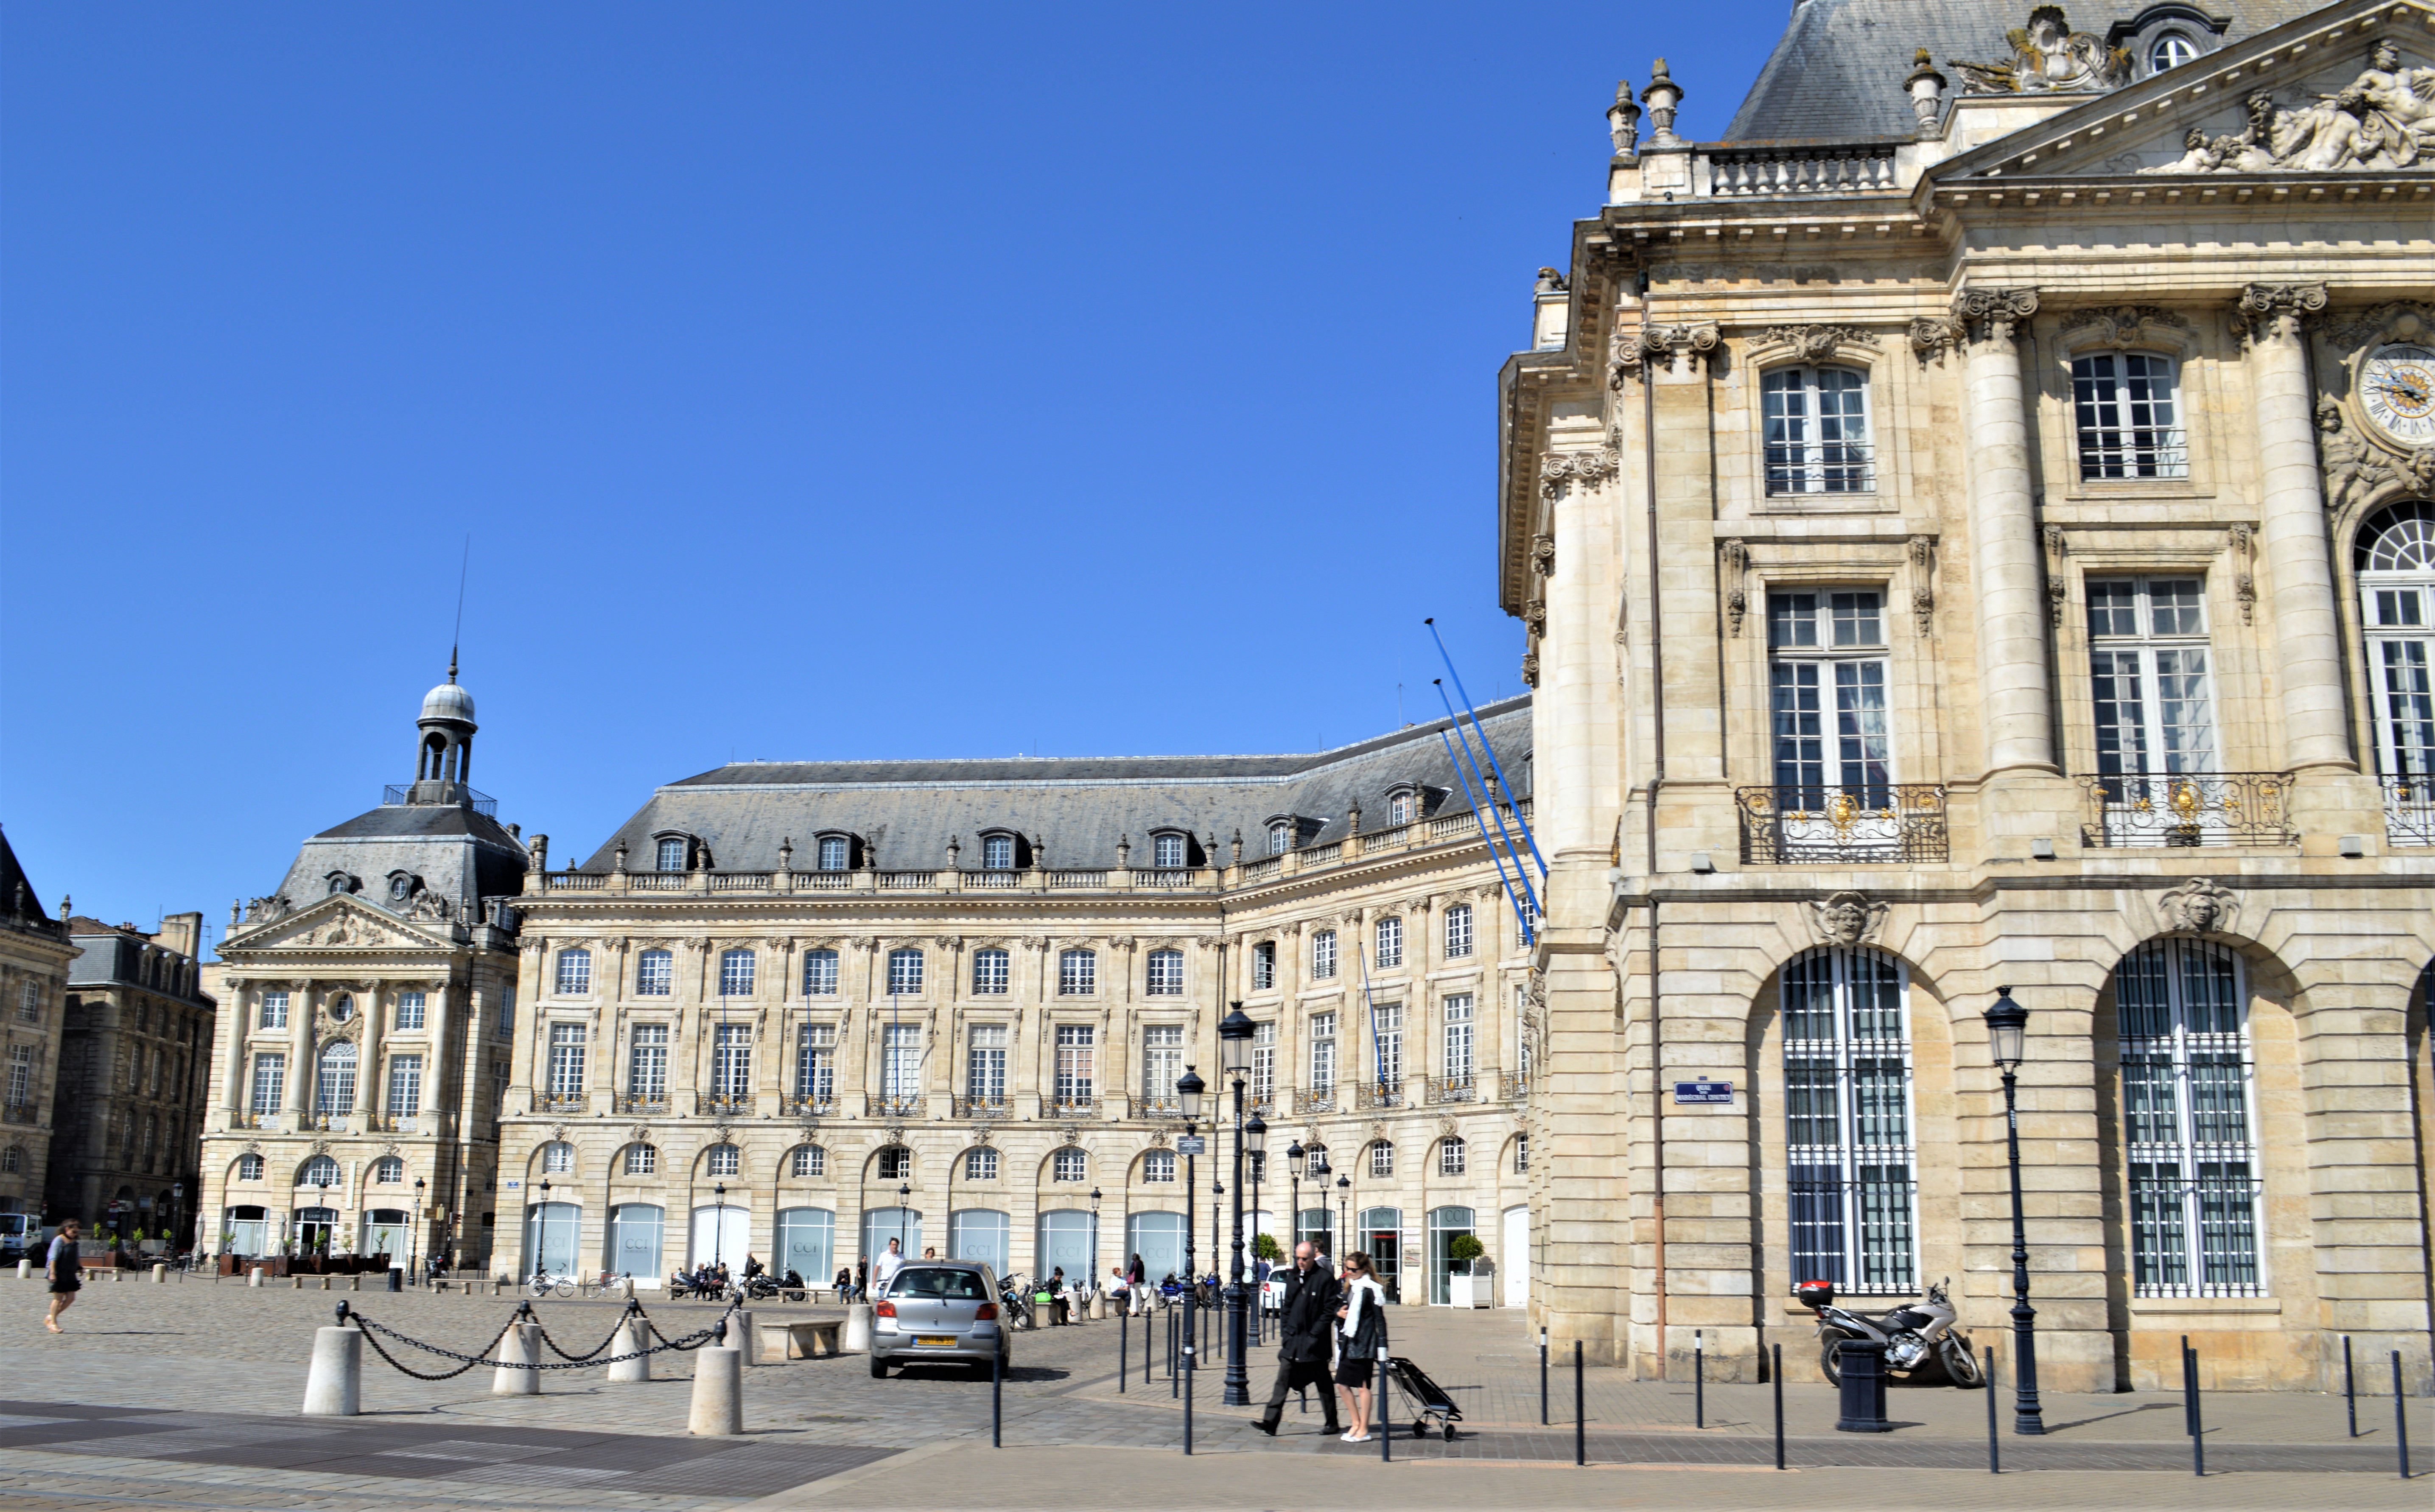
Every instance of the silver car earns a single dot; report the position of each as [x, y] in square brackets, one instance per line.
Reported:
[942, 1310]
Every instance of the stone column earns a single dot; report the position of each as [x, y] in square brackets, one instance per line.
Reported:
[371, 1088]
[299, 1052]
[2307, 640]
[2003, 534]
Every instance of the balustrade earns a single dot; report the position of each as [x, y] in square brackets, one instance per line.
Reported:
[1860, 168]
[2409, 810]
[1453, 1090]
[1799, 825]
[2188, 808]
[907, 881]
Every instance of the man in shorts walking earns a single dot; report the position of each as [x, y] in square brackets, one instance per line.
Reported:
[66, 1273]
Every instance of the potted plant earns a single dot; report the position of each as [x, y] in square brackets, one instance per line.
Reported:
[1468, 1289]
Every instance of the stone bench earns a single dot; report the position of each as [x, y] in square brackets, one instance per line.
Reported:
[801, 1339]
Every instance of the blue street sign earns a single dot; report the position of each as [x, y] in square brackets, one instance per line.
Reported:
[1702, 1091]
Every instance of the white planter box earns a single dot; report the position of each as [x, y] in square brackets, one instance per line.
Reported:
[1472, 1291]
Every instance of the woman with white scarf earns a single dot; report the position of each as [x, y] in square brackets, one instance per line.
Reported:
[1361, 1333]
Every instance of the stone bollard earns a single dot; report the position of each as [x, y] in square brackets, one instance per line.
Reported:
[1099, 1306]
[718, 1391]
[520, 1344]
[334, 1386]
[325, 1283]
[632, 1338]
[854, 1338]
[356, 1282]
[626, 1288]
[295, 1284]
[160, 1272]
[739, 1336]
[253, 1276]
[24, 1269]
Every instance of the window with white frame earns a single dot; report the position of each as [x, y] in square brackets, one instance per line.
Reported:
[1451, 1155]
[574, 973]
[1322, 955]
[1402, 808]
[269, 1080]
[985, 1065]
[388, 1171]
[557, 1157]
[731, 1063]
[835, 853]
[726, 1160]
[736, 973]
[2149, 676]
[900, 1063]
[1076, 1065]
[980, 1164]
[334, 1090]
[506, 1009]
[1827, 679]
[1818, 431]
[672, 855]
[816, 1064]
[1382, 1158]
[1390, 943]
[1386, 1067]
[820, 973]
[647, 1063]
[2188, 1087]
[655, 973]
[2395, 561]
[2171, 50]
[21, 1075]
[896, 1163]
[1158, 1167]
[1165, 974]
[905, 972]
[1457, 1057]
[248, 1168]
[405, 1086]
[274, 1010]
[29, 1001]
[1169, 851]
[410, 1010]
[997, 853]
[1070, 1165]
[642, 1160]
[1161, 1063]
[1281, 836]
[1322, 1051]
[1457, 931]
[1263, 1062]
[993, 968]
[1078, 973]
[2126, 416]
[807, 1160]
[1264, 965]
[321, 1170]
[1850, 1151]
[566, 1049]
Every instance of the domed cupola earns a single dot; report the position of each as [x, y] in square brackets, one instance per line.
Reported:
[444, 745]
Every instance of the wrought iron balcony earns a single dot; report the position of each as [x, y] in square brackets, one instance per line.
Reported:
[1315, 1099]
[25, 1113]
[1371, 1094]
[1820, 467]
[983, 1107]
[1513, 1086]
[813, 1107]
[2189, 809]
[1806, 825]
[1169, 1106]
[1454, 1090]
[642, 1102]
[880, 1106]
[1071, 1107]
[731, 1107]
[1263, 1104]
[546, 1104]
[2409, 810]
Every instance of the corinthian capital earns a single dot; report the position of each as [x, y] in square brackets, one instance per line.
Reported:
[1990, 314]
[2277, 312]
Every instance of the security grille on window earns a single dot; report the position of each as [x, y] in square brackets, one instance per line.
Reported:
[2148, 676]
[1382, 1159]
[1322, 1051]
[1457, 931]
[574, 973]
[896, 1163]
[1070, 1165]
[1390, 943]
[647, 1071]
[2395, 560]
[1837, 742]
[997, 853]
[905, 971]
[1817, 431]
[726, 1160]
[2124, 407]
[1158, 1167]
[21, 1075]
[405, 1086]
[1168, 852]
[410, 1010]
[1459, 1037]
[1076, 1064]
[980, 1164]
[1264, 965]
[985, 1065]
[321, 1170]
[1167, 974]
[672, 855]
[655, 973]
[642, 1160]
[1322, 955]
[992, 970]
[731, 1064]
[1263, 1062]
[274, 1010]
[249, 1167]
[736, 973]
[1387, 1045]
[1078, 973]
[566, 1046]
[807, 1160]
[900, 1063]
[558, 1158]
[1852, 1164]
[2187, 1086]
[1162, 1061]
[816, 1064]
[1521, 1155]
[334, 1087]
[820, 973]
[269, 1080]
[836, 854]
[1450, 1156]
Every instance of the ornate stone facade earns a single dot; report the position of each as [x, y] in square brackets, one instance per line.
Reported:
[134, 1057]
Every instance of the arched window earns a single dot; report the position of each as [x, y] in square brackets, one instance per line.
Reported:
[896, 1163]
[1849, 1143]
[574, 972]
[1169, 851]
[725, 1160]
[1070, 1165]
[2188, 1087]
[642, 1160]
[736, 973]
[558, 1156]
[1457, 931]
[249, 1167]
[334, 1089]
[388, 1171]
[655, 973]
[820, 973]
[1281, 836]
[1818, 431]
[321, 1170]
[2171, 50]
[1450, 1156]
[1078, 973]
[2395, 560]
[805, 1161]
[1382, 1158]
[2127, 414]
[1158, 1166]
[990, 972]
[1167, 974]
[980, 1164]
[998, 852]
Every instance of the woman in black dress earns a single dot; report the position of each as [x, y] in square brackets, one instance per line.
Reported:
[1361, 1333]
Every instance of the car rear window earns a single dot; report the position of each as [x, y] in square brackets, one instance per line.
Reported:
[941, 1282]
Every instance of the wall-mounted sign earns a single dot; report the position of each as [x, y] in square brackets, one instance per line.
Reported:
[1191, 1144]
[1692, 1094]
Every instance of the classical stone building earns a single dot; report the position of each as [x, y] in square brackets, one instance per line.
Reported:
[369, 1003]
[134, 1057]
[35, 952]
[1974, 526]
[794, 1010]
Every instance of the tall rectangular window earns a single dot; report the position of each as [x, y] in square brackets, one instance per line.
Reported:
[731, 1066]
[985, 1063]
[655, 973]
[1850, 1152]
[405, 1086]
[646, 1066]
[1322, 1051]
[21, 1075]
[900, 1063]
[334, 1081]
[2124, 411]
[1078, 973]
[30, 1002]
[1459, 1037]
[1457, 931]
[1263, 1062]
[2397, 590]
[905, 972]
[269, 1082]
[2148, 676]
[506, 1010]
[566, 1044]
[1826, 681]
[410, 1010]
[992, 970]
[574, 973]
[1387, 1045]
[736, 973]
[1817, 431]
[1161, 1063]
[1322, 955]
[1264, 965]
[820, 973]
[1165, 974]
[2187, 1086]
[274, 1010]
[1076, 1065]
[816, 1065]
[1390, 943]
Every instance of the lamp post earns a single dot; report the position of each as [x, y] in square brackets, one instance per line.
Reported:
[904, 1209]
[1319, 1171]
[1344, 1212]
[414, 1233]
[1095, 1240]
[1234, 1033]
[328, 1224]
[1188, 1089]
[718, 1222]
[541, 1230]
[1254, 1139]
[177, 1213]
[2008, 1025]
[1295, 1154]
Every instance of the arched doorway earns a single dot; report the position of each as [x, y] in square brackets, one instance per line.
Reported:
[722, 1235]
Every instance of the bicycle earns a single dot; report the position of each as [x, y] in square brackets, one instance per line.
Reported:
[543, 1284]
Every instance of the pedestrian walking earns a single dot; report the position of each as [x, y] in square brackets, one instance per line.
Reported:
[888, 1265]
[67, 1271]
[1309, 1316]
[1363, 1332]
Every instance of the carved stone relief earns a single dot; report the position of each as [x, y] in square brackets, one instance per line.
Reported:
[1846, 918]
[2385, 119]
[2199, 906]
[1691, 341]
[1812, 343]
[2047, 58]
[1990, 315]
[1587, 468]
[2356, 471]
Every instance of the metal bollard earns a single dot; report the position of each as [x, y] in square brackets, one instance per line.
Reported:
[2400, 1417]
[2198, 1421]
[1186, 1375]
[1699, 1380]
[334, 1382]
[1581, 1411]
[1994, 1461]
[2189, 1390]
[2349, 1388]
[1775, 1373]
[1124, 1350]
[997, 1406]
[1543, 1378]
[1863, 1363]
[1378, 1424]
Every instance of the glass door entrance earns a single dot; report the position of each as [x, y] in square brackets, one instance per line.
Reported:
[1382, 1235]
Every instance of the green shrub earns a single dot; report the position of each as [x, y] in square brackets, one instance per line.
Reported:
[1465, 1248]
[1265, 1246]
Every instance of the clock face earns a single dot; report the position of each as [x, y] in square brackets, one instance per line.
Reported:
[2397, 391]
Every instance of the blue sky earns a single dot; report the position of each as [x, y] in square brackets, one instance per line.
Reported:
[813, 384]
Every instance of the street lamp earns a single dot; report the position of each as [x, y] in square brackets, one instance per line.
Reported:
[1095, 1239]
[718, 1222]
[541, 1231]
[1234, 1033]
[1188, 1089]
[414, 1234]
[1343, 1211]
[904, 1207]
[1254, 1139]
[327, 1223]
[1319, 1171]
[2008, 1027]
[1295, 1154]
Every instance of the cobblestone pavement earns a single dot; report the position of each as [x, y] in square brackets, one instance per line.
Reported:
[189, 1395]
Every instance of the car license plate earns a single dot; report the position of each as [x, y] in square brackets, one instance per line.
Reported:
[936, 1341]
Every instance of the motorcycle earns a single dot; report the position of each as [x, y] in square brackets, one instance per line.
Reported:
[1014, 1295]
[1915, 1334]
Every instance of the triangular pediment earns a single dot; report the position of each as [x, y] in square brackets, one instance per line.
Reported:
[341, 923]
[2349, 89]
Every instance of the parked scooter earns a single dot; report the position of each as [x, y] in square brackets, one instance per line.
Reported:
[1916, 1335]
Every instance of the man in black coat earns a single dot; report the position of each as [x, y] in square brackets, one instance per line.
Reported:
[1312, 1297]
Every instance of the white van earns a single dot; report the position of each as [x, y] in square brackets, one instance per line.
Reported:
[23, 1236]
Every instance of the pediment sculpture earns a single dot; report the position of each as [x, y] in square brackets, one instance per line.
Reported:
[2383, 119]
[2356, 471]
[2048, 57]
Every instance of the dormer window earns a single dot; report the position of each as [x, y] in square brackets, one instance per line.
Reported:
[2171, 50]
[1402, 807]
[1818, 431]
[1279, 837]
[997, 853]
[837, 853]
[672, 853]
[1169, 851]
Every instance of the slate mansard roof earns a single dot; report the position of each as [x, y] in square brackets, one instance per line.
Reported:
[1077, 808]
[462, 856]
[1837, 74]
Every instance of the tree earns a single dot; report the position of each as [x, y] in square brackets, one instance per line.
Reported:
[1464, 1250]
[1265, 1246]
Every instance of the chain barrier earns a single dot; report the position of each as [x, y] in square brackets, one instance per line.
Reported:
[373, 1333]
